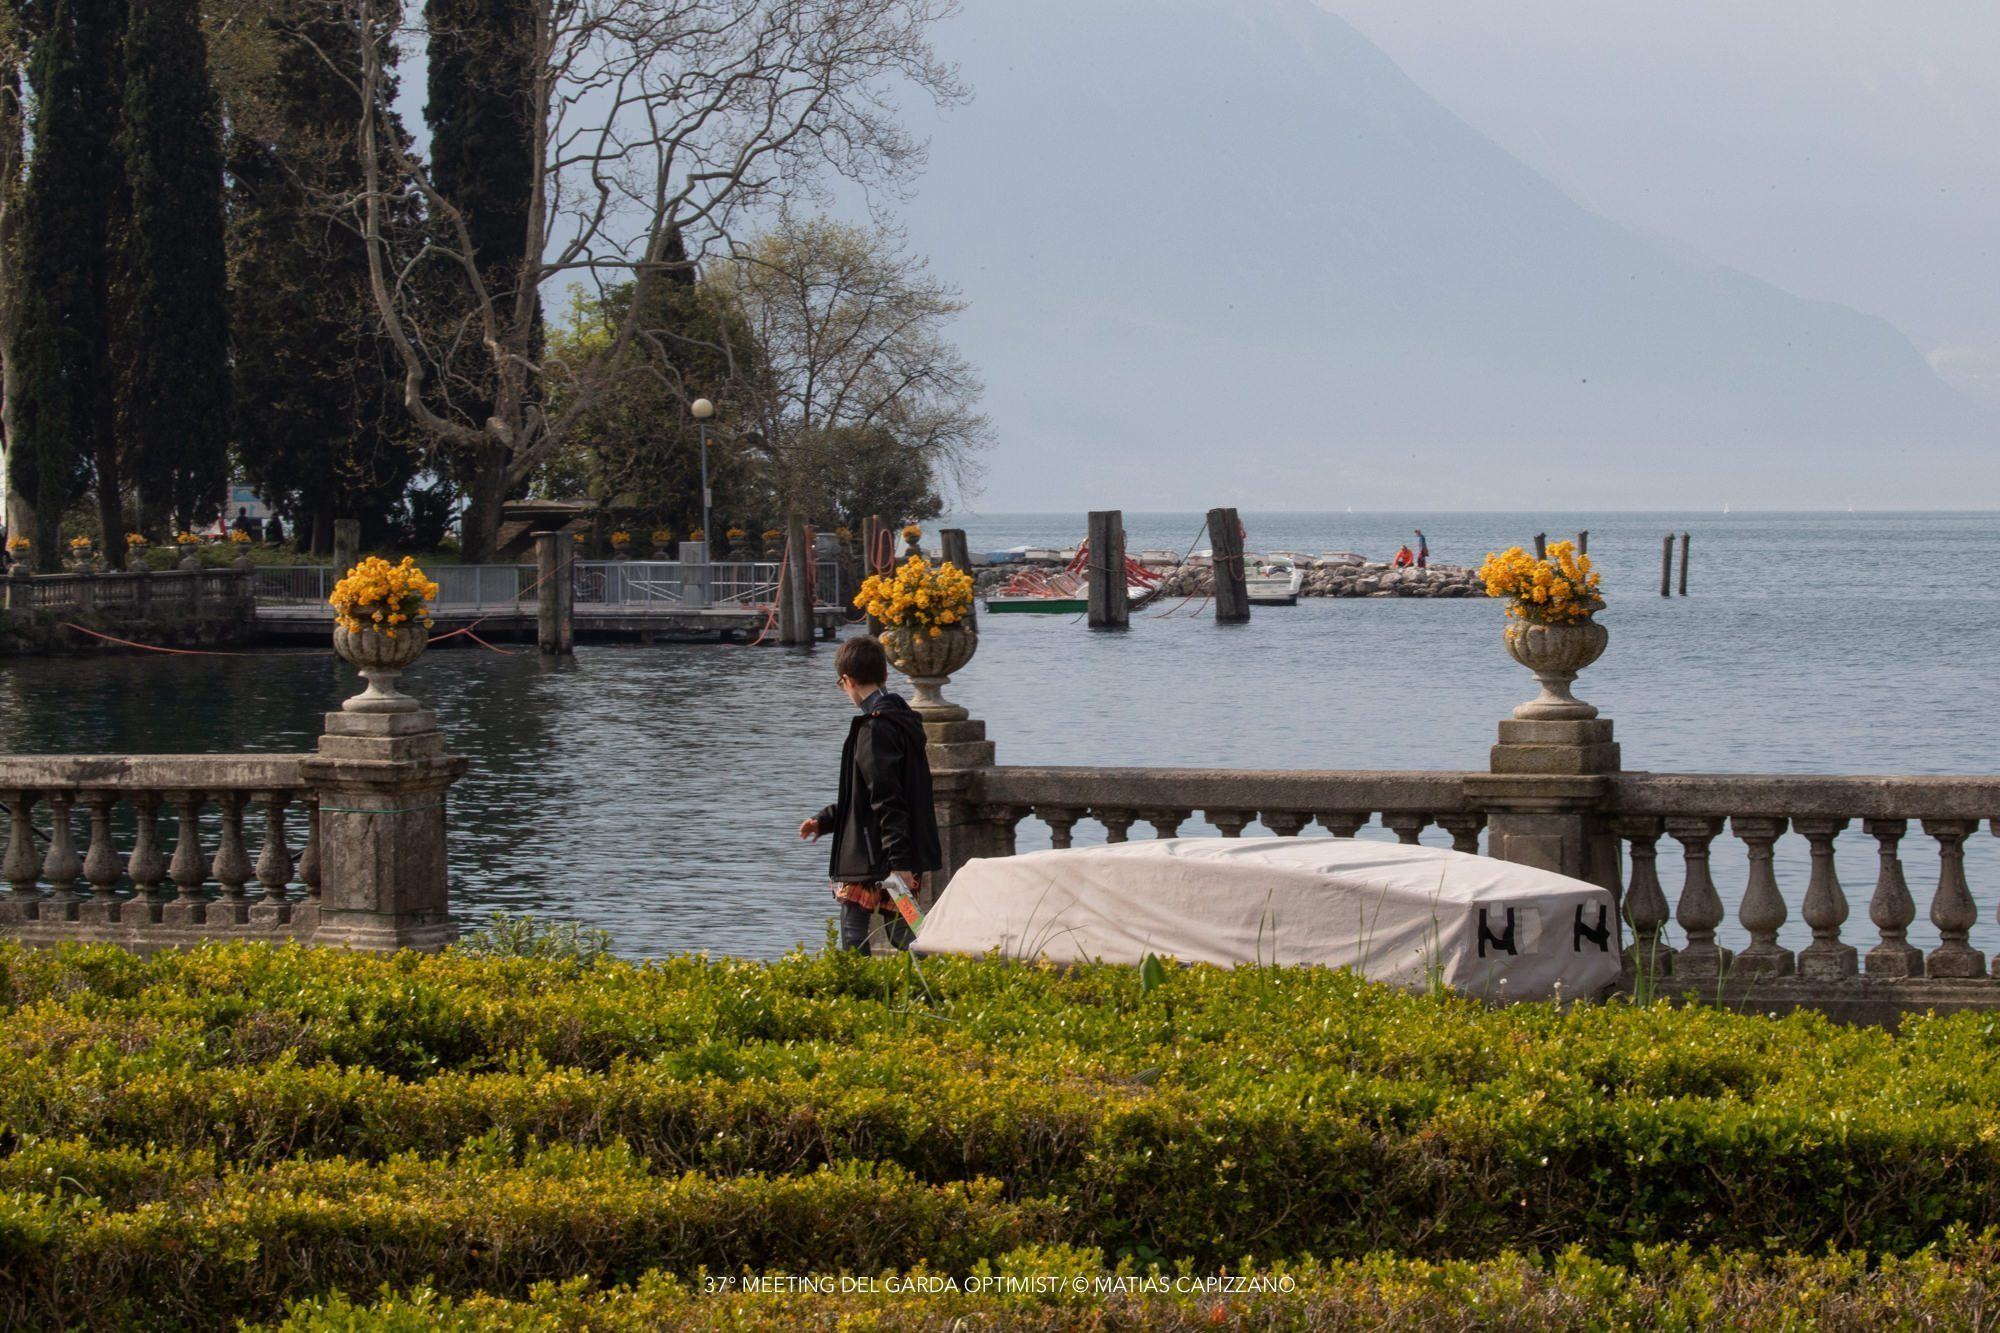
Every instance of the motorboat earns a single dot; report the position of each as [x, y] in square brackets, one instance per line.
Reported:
[1272, 580]
[1422, 918]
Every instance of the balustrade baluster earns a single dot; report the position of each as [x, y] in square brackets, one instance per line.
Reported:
[189, 868]
[1231, 822]
[1061, 820]
[274, 861]
[62, 866]
[1892, 909]
[1645, 903]
[1825, 908]
[1952, 910]
[1464, 829]
[101, 864]
[1117, 823]
[1763, 909]
[1003, 820]
[1166, 823]
[232, 864]
[1407, 825]
[1700, 909]
[147, 866]
[22, 866]
[1343, 823]
[309, 858]
[1285, 823]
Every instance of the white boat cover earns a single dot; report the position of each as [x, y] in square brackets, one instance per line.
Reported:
[1410, 916]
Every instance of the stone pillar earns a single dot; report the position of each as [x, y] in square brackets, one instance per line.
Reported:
[958, 752]
[21, 588]
[1544, 795]
[555, 610]
[697, 576]
[381, 778]
[346, 545]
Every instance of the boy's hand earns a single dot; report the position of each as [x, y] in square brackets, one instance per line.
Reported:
[809, 831]
[911, 880]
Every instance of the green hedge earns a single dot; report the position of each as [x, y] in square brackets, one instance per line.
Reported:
[172, 1125]
[1671, 1290]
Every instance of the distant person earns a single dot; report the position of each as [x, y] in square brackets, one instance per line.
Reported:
[274, 530]
[1404, 557]
[1423, 551]
[882, 822]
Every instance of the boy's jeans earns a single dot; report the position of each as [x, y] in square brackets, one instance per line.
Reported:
[856, 921]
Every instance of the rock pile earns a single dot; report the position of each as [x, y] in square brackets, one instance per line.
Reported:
[1369, 580]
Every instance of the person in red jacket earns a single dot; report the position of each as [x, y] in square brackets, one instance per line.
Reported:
[1404, 558]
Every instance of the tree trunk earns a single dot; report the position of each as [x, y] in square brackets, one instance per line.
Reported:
[110, 507]
[479, 526]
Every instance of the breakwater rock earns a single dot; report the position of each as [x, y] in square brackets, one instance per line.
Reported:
[1363, 580]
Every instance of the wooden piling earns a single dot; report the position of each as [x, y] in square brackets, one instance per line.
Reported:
[1583, 542]
[1667, 566]
[1225, 540]
[871, 529]
[346, 545]
[1541, 546]
[1108, 603]
[1684, 564]
[958, 554]
[795, 588]
[555, 603]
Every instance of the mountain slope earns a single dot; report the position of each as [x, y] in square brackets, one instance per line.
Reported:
[1225, 251]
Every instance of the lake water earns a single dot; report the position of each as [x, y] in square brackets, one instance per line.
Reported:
[656, 791]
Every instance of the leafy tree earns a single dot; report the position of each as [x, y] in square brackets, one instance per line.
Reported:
[643, 116]
[862, 399]
[321, 428]
[60, 383]
[641, 446]
[174, 387]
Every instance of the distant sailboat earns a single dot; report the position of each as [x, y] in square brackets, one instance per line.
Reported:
[1725, 509]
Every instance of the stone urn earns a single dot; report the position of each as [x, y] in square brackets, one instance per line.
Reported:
[380, 660]
[929, 661]
[1555, 653]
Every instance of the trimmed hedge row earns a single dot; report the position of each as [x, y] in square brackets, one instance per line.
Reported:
[212, 1251]
[230, 1127]
[1671, 1290]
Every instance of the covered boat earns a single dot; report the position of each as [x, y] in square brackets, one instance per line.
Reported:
[1411, 916]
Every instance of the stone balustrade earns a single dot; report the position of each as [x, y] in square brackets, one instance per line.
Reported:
[1554, 795]
[343, 846]
[159, 849]
[187, 607]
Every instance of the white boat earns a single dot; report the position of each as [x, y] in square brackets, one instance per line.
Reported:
[1273, 580]
[1340, 559]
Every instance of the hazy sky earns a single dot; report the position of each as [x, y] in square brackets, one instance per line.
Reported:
[1843, 149]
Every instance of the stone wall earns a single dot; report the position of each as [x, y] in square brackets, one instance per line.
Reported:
[1366, 580]
[180, 608]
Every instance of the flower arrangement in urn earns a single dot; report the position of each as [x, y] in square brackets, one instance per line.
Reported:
[923, 610]
[1553, 602]
[382, 624]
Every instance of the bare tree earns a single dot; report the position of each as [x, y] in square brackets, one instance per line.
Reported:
[648, 117]
[855, 364]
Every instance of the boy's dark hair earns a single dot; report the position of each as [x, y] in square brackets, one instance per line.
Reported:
[862, 661]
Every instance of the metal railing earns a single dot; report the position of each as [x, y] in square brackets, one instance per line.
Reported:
[622, 583]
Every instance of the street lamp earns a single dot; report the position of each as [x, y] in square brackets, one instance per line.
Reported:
[701, 409]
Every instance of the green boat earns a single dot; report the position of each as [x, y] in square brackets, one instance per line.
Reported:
[1037, 606]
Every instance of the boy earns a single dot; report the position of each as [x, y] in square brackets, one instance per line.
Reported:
[882, 823]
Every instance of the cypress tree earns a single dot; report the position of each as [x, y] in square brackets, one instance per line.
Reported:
[321, 428]
[481, 115]
[174, 400]
[63, 402]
